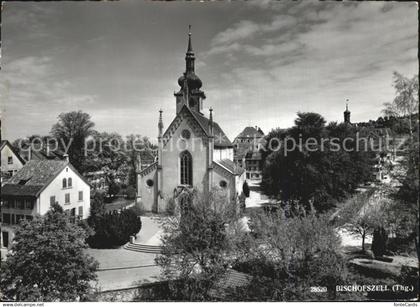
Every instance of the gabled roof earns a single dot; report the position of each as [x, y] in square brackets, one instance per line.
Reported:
[251, 132]
[6, 142]
[220, 138]
[43, 154]
[35, 176]
[230, 166]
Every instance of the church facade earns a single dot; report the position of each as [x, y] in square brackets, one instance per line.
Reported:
[193, 152]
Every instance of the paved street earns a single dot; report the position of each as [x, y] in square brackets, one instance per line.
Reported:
[121, 268]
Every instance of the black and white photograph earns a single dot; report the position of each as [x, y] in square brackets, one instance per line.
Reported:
[209, 151]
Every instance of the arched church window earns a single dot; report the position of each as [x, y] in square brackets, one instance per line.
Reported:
[64, 183]
[186, 168]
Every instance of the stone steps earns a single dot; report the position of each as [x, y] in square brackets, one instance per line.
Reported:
[142, 248]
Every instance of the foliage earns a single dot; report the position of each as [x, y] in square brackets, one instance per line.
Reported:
[197, 244]
[47, 261]
[245, 189]
[114, 228]
[137, 209]
[379, 241]
[131, 192]
[406, 102]
[290, 255]
[321, 174]
[362, 214]
[72, 129]
[113, 188]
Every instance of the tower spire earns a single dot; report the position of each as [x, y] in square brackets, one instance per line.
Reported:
[347, 113]
[189, 57]
[189, 49]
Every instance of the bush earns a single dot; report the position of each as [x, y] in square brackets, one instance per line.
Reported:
[379, 242]
[245, 189]
[137, 209]
[131, 192]
[170, 208]
[114, 229]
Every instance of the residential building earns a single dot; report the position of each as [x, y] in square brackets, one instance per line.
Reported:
[11, 161]
[192, 152]
[247, 154]
[37, 185]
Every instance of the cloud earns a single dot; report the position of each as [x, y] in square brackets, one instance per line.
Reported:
[33, 93]
[320, 55]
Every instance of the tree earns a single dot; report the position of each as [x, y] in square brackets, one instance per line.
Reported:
[245, 189]
[47, 261]
[197, 244]
[292, 252]
[379, 242]
[112, 229]
[362, 214]
[406, 102]
[320, 173]
[71, 130]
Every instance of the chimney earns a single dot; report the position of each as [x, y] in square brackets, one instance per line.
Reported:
[66, 157]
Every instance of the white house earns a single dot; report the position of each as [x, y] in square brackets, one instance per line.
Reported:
[11, 161]
[37, 185]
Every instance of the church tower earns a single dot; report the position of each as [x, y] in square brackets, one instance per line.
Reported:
[347, 114]
[190, 93]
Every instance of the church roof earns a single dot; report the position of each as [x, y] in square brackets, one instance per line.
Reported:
[229, 165]
[220, 138]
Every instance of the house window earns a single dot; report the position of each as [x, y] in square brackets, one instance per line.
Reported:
[69, 183]
[19, 217]
[67, 198]
[29, 205]
[9, 160]
[80, 195]
[64, 183]
[6, 218]
[5, 238]
[186, 168]
[81, 211]
[52, 200]
[21, 204]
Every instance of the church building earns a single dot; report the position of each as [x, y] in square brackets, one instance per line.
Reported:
[193, 152]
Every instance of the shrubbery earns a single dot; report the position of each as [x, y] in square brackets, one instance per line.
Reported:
[112, 229]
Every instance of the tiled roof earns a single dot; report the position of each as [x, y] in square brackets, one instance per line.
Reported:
[220, 138]
[38, 172]
[230, 166]
[33, 177]
[250, 132]
[43, 154]
[20, 190]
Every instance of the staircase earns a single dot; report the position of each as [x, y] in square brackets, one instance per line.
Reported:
[142, 248]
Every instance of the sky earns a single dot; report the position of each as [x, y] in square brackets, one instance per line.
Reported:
[261, 62]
